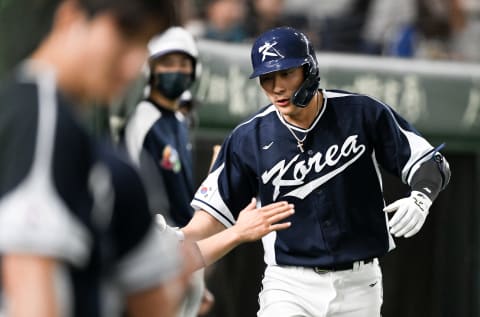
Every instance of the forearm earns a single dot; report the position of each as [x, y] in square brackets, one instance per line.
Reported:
[28, 283]
[431, 177]
[202, 226]
[218, 245]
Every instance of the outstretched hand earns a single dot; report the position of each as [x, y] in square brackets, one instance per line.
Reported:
[253, 224]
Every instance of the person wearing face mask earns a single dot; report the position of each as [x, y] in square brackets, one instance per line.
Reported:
[156, 134]
[157, 138]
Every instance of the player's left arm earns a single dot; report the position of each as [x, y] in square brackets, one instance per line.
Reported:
[428, 180]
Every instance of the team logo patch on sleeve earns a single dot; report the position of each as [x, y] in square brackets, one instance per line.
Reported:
[170, 160]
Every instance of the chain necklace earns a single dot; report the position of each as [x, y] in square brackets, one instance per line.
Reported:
[300, 141]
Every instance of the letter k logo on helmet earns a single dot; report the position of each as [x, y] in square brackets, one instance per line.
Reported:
[266, 48]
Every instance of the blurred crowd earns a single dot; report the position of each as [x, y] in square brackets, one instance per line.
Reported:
[429, 29]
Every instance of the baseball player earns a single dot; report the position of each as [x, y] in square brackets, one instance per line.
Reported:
[76, 233]
[320, 150]
[157, 137]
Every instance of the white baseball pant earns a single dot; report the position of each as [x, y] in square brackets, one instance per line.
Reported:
[290, 291]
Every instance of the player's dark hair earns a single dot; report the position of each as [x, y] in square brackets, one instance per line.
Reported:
[133, 15]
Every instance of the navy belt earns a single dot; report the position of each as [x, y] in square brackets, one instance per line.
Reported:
[341, 266]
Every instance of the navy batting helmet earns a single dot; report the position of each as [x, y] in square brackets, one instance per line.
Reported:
[283, 48]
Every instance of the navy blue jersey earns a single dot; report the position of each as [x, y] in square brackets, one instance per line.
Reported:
[335, 183]
[157, 140]
[64, 195]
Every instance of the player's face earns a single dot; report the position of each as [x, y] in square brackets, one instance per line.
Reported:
[280, 86]
[111, 58]
[173, 62]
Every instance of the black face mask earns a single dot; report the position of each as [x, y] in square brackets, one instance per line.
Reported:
[172, 85]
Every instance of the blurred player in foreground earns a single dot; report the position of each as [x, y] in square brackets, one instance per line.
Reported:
[321, 150]
[76, 233]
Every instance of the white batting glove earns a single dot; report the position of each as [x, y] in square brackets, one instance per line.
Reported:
[166, 229]
[410, 214]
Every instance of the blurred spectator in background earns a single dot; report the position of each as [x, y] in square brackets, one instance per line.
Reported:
[427, 35]
[266, 14]
[429, 29]
[222, 20]
[465, 43]
[436, 21]
[188, 11]
[342, 32]
[338, 23]
[384, 20]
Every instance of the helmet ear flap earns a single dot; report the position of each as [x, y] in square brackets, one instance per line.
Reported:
[309, 87]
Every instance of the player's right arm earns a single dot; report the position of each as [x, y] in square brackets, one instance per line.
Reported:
[252, 224]
[201, 226]
[28, 285]
[214, 240]
[220, 224]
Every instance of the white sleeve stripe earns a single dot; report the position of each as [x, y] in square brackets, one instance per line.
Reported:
[211, 199]
[200, 204]
[377, 170]
[33, 217]
[333, 94]
[420, 148]
[421, 160]
[138, 126]
[47, 121]
[35, 220]
[418, 151]
[417, 164]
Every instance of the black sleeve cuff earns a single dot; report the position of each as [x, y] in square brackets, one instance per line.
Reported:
[427, 180]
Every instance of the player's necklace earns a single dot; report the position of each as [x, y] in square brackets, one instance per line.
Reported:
[300, 141]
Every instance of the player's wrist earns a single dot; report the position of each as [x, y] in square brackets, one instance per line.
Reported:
[236, 235]
[421, 200]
